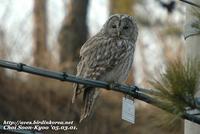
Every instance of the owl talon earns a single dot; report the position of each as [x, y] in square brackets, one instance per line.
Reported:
[114, 85]
[134, 88]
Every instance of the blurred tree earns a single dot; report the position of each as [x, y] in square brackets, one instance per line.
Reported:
[169, 6]
[73, 33]
[192, 50]
[121, 6]
[2, 48]
[2, 43]
[40, 33]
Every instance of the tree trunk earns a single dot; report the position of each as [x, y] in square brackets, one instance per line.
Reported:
[73, 33]
[2, 49]
[2, 44]
[121, 6]
[192, 50]
[40, 33]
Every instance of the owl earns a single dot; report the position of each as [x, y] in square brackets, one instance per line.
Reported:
[107, 56]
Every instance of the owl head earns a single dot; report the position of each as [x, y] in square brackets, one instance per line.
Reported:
[121, 26]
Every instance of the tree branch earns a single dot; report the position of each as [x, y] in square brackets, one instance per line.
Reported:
[190, 3]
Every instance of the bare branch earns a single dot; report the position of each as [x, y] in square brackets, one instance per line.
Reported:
[190, 3]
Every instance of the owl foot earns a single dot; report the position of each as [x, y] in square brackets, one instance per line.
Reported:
[114, 85]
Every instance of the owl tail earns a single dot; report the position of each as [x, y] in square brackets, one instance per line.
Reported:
[89, 97]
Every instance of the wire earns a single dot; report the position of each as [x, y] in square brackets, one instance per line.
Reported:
[134, 91]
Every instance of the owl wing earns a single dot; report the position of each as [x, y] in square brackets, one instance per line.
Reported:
[84, 68]
[87, 52]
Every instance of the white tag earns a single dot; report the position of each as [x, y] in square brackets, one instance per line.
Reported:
[128, 110]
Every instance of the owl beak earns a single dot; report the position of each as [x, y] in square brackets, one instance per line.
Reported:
[118, 33]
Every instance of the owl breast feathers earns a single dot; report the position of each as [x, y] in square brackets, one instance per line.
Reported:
[107, 56]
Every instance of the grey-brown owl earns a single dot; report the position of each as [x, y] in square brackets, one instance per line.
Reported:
[107, 56]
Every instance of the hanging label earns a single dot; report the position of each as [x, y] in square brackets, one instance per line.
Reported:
[128, 110]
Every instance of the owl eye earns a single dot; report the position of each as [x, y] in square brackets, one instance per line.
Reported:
[114, 26]
[125, 27]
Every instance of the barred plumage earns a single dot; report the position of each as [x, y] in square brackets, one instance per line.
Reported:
[107, 56]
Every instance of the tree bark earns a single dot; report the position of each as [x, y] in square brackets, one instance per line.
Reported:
[2, 49]
[121, 6]
[192, 50]
[2, 44]
[73, 33]
[40, 33]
